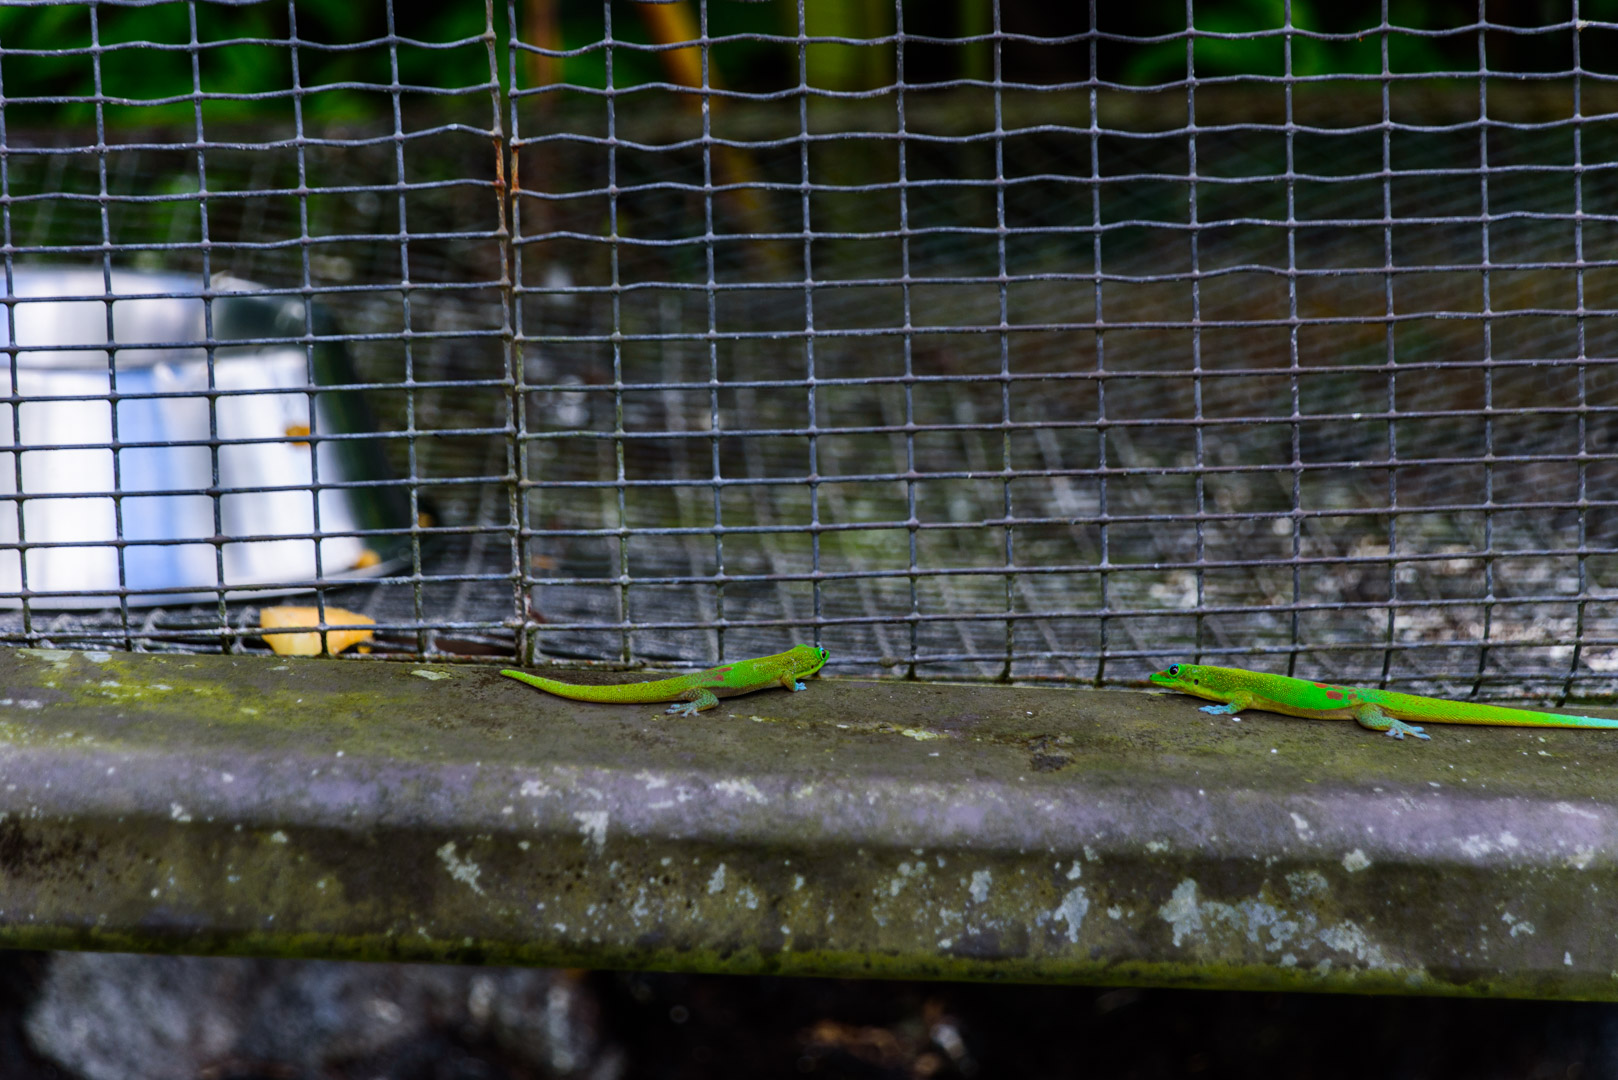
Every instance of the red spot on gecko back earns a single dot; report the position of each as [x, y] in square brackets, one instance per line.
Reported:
[718, 674]
[1335, 695]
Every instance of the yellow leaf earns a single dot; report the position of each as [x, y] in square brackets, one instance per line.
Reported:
[284, 629]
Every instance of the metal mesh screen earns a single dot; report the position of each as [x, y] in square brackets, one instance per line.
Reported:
[996, 340]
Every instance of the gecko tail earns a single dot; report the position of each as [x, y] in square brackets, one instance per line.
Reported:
[550, 686]
[633, 693]
[1565, 720]
[572, 691]
[1527, 718]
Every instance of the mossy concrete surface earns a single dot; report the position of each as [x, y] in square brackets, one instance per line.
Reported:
[209, 804]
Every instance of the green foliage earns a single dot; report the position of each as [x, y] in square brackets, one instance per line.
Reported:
[147, 68]
[243, 53]
[149, 77]
[1266, 56]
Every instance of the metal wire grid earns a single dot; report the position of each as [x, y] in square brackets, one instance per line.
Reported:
[284, 209]
[981, 376]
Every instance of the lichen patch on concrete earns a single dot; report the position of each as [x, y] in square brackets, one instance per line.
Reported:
[593, 824]
[1223, 927]
[461, 869]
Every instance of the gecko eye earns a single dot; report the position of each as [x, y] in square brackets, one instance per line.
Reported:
[1174, 671]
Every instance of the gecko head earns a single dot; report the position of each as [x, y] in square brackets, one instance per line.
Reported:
[809, 659]
[1176, 675]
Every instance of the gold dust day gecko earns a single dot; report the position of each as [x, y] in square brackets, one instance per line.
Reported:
[698, 691]
[1380, 710]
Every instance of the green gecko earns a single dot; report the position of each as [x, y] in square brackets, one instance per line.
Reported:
[698, 691]
[1380, 710]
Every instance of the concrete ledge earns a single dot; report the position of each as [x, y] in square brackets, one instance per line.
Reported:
[206, 804]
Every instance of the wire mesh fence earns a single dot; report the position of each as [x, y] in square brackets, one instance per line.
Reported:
[975, 340]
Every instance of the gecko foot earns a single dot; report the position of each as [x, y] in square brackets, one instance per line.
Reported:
[799, 685]
[684, 708]
[1371, 716]
[1219, 710]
